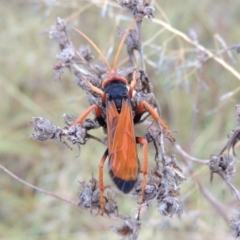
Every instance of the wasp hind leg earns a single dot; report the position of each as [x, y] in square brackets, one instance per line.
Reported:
[101, 184]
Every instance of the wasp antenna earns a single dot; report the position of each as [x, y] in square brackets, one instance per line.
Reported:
[96, 48]
[121, 45]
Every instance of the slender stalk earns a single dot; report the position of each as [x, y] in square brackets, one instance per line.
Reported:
[12, 175]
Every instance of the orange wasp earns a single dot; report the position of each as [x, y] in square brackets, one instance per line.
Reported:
[123, 162]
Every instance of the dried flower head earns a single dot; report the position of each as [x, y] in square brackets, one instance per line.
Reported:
[44, 129]
[130, 228]
[89, 195]
[234, 136]
[89, 198]
[163, 185]
[235, 225]
[169, 206]
[223, 165]
[139, 9]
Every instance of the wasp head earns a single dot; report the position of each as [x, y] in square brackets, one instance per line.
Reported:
[116, 91]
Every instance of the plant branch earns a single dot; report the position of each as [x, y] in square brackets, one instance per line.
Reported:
[200, 47]
[12, 175]
[189, 157]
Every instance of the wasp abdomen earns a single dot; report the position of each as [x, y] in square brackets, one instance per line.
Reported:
[123, 185]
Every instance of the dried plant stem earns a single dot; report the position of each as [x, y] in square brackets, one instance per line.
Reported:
[220, 208]
[36, 188]
[217, 205]
[200, 47]
[231, 186]
[78, 12]
[139, 24]
[163, 152]
[196, 106]
[189, 157]
[40, 190]
[227, 48]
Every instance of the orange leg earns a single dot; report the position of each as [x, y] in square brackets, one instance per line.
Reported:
[144, 170]
[95, 89]
[132, 85]
[100, 182]
[84, 115]
[155, 116]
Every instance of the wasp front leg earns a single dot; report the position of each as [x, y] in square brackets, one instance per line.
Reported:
[98, 114]
[87, 112]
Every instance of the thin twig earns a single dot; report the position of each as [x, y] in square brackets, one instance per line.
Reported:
[232, 187]
[139, 24]
[12, 175]
[235, 47]
[196, 104]
[215, 203]
[200, 47]
[185, 154]
[222, 209]
[36, 188]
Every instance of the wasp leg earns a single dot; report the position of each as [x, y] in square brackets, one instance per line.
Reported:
[144, 169]
[94, 88]
[100, 181]
[97, 90]
[132, 85]
[84, 115]
[154, 115]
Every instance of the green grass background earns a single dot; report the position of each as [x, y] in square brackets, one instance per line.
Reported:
[28, 89]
